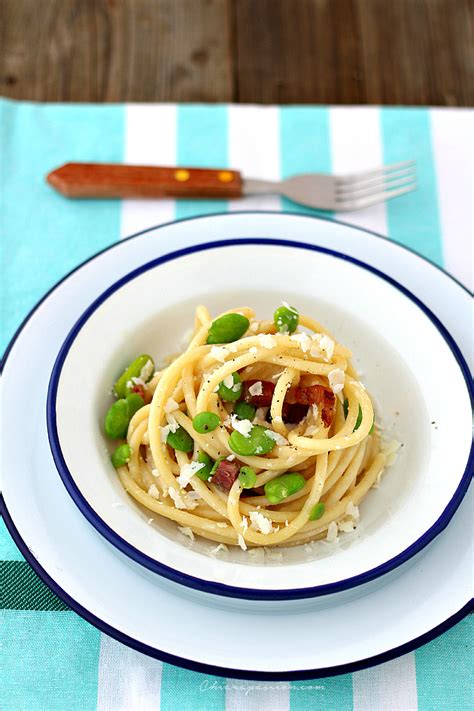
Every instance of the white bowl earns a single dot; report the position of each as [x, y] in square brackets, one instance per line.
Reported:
[407, 360]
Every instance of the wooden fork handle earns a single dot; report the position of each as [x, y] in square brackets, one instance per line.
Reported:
[101, 180]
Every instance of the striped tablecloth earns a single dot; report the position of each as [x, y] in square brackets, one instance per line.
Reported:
[54, 660]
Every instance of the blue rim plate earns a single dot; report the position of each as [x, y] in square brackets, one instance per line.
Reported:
[225, 671]
[436, 624]
[210, 586]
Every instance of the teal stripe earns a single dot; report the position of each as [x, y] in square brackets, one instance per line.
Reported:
[22, 589]
[8, 549]
[44, 234]
[445, 670]
[50, 661]
[190, 691]
[202, 137]
[304, 146]
[414, 219]
[330, 694]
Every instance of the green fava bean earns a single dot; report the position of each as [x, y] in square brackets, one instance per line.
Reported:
[206, 422]
[121, 455]
[244, 410]
[205, 472]
[359, 416]
[247, 477]
[120, 414]
[317, 511]
[117, 419]
[257, 442]
[180, 440]
[216, 464]
[234, 392]
[228, 328]
[135, 402]
[279, 489]
[142, 367]
[286, 319]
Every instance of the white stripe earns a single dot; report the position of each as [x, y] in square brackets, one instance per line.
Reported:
[356, 144]
[257, 696]
[127, 680]
[150, 139]
[388, 687]
[254, 149]
[453, 137]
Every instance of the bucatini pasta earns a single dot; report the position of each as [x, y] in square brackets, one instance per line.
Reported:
[259, 434]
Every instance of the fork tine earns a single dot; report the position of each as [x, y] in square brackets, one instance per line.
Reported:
[371, 188]
[360, 203]
[365, 174]
[376, 181]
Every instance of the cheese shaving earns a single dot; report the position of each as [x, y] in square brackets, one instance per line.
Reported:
[241, 541]
[219, 353]
[186, 531]
[242, 426]
[187, 472]
[221, 548]
[332, 532]
[259, 522]
[267, 341]
[171, 405]
[256, 388]
[153, 491]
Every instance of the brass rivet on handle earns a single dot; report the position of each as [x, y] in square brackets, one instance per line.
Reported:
[225, 176]
[182, 175]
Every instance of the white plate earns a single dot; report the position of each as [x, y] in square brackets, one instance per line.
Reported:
[425, 598]
[393, 338]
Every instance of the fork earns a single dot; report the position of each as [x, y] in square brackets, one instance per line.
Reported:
[325, 192]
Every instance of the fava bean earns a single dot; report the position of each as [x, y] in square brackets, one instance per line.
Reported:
[135, 402]
[121, 455]
[359, 416]
[180, 440]
[120, 414]
[216, 464]
[206, 422]
[279, 489]
[247, 477]
[142, 367]
[205, 472]
[244, 410]
[234, 392]
[317, 511]
[286, 319]
[257, 442]
[228, 328]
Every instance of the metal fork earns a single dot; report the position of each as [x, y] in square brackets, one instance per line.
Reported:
[342, 193]
[324, 192]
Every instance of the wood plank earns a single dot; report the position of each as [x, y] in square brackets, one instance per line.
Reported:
[417, 52]
[355, 51]
[265, 51]
[304, 51]
[116, 50]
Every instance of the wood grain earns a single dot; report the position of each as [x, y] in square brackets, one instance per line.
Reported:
[412, 52]
[102, 180]
[293, 55]
[423, 50]
[116, 50]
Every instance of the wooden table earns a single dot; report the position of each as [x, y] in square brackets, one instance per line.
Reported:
[414, 52]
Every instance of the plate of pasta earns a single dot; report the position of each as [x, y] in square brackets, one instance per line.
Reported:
[271, 636]
[261, 432]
